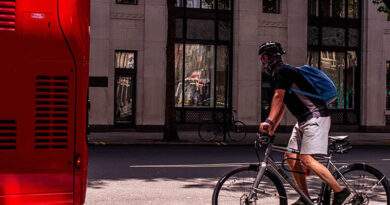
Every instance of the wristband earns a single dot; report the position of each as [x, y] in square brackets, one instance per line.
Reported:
[269, 121]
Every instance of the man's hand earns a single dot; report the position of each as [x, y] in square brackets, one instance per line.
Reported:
[264, 127]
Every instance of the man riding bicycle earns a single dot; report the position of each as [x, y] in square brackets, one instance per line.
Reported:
[310, 133]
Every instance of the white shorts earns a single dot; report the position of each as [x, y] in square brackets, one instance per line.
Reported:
[311, 137]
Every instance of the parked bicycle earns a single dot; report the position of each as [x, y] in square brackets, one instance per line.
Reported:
[235, 129]
[261, 183]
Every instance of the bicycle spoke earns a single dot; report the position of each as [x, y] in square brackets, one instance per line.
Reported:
[237, 188]
[369, 188]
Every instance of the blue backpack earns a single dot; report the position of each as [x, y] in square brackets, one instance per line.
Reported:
[326, 90]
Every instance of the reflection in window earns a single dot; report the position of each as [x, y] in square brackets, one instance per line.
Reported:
[338, 8]
[325, 8]
[124, 60]
[312, 58]
[271, 6]
[388, 85]
[200, 29]
[222, 68]
[123, 99]
[199, 75]
[224, 4]
[313, 7]
[179, 28]
[179, 3]
[353, 9]
[333, 36]
[178, 74]
[353, 37]
[204, 4]
[202, 61]
[352, 64]
[333, 65]
[207, 4]
[224, 30]
[313, 35]
[193, 3]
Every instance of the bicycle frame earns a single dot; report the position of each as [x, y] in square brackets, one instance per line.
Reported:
[269, 162]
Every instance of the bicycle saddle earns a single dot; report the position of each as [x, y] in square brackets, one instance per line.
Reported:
[338, 138]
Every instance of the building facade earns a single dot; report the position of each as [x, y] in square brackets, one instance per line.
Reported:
[217, 67]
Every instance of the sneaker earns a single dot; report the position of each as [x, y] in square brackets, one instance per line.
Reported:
[341, 197]
[300, 201]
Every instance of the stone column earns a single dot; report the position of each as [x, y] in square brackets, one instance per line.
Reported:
[154, 62]
[373, 72]
[246, 72]
[101, 98]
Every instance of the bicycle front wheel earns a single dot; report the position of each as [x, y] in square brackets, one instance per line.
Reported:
[208, 131]
[238, 131]
[371, 185]
[234, 188]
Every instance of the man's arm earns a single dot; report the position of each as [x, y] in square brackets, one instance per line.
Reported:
[277, 111]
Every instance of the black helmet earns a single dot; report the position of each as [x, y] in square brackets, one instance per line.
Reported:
[271, 49]
[270, 53]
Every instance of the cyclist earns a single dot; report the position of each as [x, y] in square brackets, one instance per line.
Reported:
[310, 133]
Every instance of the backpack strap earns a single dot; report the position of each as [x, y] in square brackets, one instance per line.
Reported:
[305, 93]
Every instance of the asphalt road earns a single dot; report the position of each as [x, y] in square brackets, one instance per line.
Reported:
[184, 175]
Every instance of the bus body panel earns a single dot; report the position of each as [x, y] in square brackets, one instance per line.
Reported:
[44, 57]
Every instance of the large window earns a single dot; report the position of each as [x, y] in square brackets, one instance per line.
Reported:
[334, 47]
[125, 67]
[203, 53]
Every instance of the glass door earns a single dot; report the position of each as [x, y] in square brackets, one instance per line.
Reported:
[125, 81]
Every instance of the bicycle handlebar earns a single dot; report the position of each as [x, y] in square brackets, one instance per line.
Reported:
[265, 138]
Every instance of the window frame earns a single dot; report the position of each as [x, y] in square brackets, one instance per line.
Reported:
[345, 23]
[278, 7]
[216, 14]
[119, 72]
[135, 2]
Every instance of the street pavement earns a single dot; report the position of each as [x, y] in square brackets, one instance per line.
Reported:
[192, 138]
[179, 174]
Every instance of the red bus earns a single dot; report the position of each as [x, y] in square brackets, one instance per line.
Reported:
[44, 55]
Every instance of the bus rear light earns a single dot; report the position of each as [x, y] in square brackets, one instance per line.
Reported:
[78, 161]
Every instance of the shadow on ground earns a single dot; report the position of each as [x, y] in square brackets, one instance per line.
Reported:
[198, 166]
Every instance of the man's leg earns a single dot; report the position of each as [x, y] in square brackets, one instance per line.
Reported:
[295, 165]
[321, 171]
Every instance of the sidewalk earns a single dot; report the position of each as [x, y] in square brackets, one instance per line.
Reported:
[192, 138]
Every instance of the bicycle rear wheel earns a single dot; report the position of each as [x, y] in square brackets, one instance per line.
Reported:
[238, 131]
[208, 131]
[235, 186]
[369, 182]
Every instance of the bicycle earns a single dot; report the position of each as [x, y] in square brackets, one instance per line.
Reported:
[261, 183]
[235, 129]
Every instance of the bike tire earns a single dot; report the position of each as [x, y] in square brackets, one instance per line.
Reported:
[380, 194]
[227, 191]
[238, 131]
[208, 131]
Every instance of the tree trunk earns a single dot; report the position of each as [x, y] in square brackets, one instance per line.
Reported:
[170, 128]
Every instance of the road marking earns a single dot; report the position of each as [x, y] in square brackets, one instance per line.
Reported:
[227, 164]
[189, 165]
